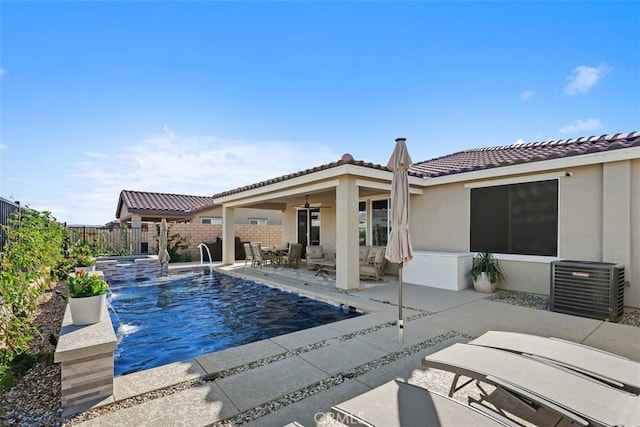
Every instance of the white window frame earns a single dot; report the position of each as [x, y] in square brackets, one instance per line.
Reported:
[258, 221]
[369, 223]
[215, 220]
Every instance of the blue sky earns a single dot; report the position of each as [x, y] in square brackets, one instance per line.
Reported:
[205, 96]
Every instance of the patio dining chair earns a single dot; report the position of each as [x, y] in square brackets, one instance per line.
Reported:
[260, 257]
[248, 254]
[294, 256]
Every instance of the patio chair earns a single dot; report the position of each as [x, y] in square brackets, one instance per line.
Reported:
[314, 253]
[248, 254]
[610, 368]
[260, 258]
[401, 404]
[373, 265]
[294, 255]
[576, 397]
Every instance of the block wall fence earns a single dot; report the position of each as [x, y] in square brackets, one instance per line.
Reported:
[268, 235]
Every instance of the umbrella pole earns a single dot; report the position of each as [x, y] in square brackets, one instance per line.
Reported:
[400, 317]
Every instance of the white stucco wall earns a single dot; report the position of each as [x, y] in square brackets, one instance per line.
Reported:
[439, 219]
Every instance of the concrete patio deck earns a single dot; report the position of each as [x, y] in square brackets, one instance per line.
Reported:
[298, 377]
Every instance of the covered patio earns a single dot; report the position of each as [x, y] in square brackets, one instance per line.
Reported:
[330, 205]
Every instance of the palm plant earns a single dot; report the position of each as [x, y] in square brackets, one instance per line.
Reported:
[485, 262]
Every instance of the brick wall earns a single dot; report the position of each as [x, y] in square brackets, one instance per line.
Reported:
[268, 235]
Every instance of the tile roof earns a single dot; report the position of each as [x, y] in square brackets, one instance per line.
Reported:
[480, 158]
[345, 160]
[162, 202]
[487, 158]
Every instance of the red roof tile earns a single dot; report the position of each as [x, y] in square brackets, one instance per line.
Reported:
[143, 201]
[487, 158]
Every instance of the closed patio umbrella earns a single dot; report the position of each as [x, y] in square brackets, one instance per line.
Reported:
[399, 248]
[163, 238]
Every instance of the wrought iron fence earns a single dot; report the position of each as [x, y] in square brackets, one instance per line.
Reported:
[112, 240]
[6, 209]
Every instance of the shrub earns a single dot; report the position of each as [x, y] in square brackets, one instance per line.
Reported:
[84, 284]
[33, 255]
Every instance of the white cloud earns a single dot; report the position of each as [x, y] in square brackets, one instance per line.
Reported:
[172, 163]
[526, 95]
[520, 141]
[3, 147]
[96, 155]
[2, 71]
[581, 126]
[583, 78]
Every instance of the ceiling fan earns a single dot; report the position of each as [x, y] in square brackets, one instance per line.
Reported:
[308, 206]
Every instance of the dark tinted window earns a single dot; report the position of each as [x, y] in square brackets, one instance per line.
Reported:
[516, 218]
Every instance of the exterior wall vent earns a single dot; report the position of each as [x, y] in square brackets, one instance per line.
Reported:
[588, 289]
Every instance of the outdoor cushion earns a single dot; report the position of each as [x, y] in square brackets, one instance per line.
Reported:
[363, 251]
[373, 266]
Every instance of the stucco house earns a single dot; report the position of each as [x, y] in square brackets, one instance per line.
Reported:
[529, 203]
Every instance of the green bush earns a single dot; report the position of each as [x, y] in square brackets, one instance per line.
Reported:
[34, 254]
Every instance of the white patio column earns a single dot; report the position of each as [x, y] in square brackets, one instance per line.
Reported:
[347, 267]
[616, 222]
[228, 235]
[136, 233]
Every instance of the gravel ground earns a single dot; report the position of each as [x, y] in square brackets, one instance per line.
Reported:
[35, 399]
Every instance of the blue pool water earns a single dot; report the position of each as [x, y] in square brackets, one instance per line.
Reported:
[180, 317]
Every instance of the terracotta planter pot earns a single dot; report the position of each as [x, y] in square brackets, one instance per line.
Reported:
[88, 310]
[484, 285]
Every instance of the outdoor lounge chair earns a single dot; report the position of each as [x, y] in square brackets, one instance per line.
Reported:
[400, 404]
[373, 264]
[314, 253]
[615, 370]
[573, 396]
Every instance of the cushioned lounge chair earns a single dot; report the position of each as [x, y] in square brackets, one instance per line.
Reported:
[615, 370]
[573, 396]
[400, 404]
[314, 253]
[373, 264]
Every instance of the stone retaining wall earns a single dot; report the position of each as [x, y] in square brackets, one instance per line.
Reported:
[86, 357]
[135, 269]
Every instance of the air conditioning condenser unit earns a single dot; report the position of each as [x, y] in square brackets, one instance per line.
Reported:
[588, 289]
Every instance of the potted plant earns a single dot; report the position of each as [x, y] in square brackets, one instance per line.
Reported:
[485, 272]
[83, 261]
[87, 294]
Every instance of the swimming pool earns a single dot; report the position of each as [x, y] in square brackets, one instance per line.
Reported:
[177, 318]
